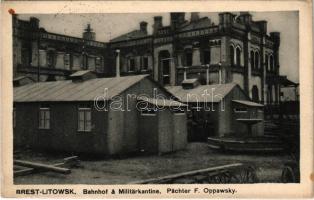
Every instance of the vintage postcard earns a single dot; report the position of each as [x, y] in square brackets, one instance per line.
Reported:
[157, 99]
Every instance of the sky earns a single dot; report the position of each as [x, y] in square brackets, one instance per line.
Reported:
[108, 26]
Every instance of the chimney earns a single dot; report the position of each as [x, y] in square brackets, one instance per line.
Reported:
[190, 83]
[118, 63]
[157, 24]
[143, 27]
[194, 16]
[245, 17]
[176, 19]
[34, 22]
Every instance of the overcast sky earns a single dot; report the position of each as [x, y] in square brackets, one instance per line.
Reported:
[108, 26]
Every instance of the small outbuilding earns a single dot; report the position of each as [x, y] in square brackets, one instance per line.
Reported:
[219, 110]
[108, 116]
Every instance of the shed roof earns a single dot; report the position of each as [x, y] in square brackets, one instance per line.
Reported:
[162, 102]
[80, 73]
[191, 80]
[23, 77]
[74, 91]
[214, 92]
[248, 103]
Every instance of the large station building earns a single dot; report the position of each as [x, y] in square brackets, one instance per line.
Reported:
[236, 50]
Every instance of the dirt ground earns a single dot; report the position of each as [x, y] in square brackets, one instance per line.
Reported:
[129, 169]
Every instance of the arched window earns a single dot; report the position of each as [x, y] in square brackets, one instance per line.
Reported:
[232, 55]
[256, 60]
[255, 96]
[271, 60]
[252, 59]
[238, 55]
[266, 62]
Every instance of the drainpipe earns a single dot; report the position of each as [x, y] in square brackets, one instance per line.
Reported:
[184, 74]
[118, 63]
[219, 72]
[207, 74]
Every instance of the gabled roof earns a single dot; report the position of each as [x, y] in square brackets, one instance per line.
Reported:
[201, 23]
[75, 91]
[248, 103]
[215, 93]
[130, 35]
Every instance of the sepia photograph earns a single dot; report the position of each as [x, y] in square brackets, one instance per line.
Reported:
[156, 98]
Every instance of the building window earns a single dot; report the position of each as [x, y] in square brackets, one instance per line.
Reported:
[50, 59]
[206, 57]
[271, 62]
[256, 65]
[67, 60]
[232, 55]
[98, 64]
[25, 57]
[178, 111]
[44, 118]
[131, 65]
[266, 62]
[238, 54]
[238, 110]
[255, 95]
[252, 59]
[14, 117]
[144, 63]
[188, 57]
[84, 119]
[148, 112]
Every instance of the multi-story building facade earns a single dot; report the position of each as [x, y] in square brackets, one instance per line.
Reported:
[237, 49]
[48, 56]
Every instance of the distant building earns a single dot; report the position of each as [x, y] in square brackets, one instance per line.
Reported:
[219, 110]
[289, 90]
[236, 50]
[48, 56]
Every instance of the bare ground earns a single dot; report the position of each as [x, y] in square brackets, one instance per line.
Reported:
[129, 169]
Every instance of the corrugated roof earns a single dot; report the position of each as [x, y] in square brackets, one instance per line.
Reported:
[162, 102]
[214, 92]
[71, 91]
[248, 103]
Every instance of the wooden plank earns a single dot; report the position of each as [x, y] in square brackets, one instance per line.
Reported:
[69, 162]
[42, 166]
[27, 171]
[189, 173]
